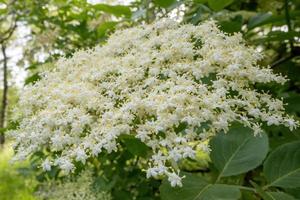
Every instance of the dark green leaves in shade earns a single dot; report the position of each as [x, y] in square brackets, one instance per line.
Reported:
[218, 5]
[32, 79]
[268, 18]
[164, 3]
[196, 188]
[135, 146]
[279, 196]
[238, 151]
[282, 167]
[258, 20]
[232, 25]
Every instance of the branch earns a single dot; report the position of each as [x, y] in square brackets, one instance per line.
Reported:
[288, 22]
[4, 94]
[294, 53]
[282, 60]
[9, 32]
[11, 12]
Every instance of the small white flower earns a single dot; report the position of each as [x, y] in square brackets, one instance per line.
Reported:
[175, 154]
[273, 120]
[291, 124]
[46, 165]
[204, 147]
[65, 164]
[80, 155]
[255, 112]
[188, 152]
[151, 172]
[174, 179]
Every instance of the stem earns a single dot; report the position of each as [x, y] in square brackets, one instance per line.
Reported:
[218, 178]
[4, 95]
[282, 60]
[136, 160]
[246, 188]
[291, 40]
[288, 22]
[265, 187]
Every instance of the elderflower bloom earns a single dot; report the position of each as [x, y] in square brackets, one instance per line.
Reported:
[174, 179]
[167, 84]
[46, 165]
[82, 188]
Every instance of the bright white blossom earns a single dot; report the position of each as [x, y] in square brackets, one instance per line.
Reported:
[174, 179]
[46, 165]
[167, 84]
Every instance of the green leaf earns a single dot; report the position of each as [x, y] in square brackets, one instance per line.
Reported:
[32, 79]
[258, 20]
[282, 167]
[217, 5]
[164, 3]
[233, 25]
[267, 18]
[196, 188]
[200, 1]
[263, 194]
[294, 191]
[271, 195]
[106, 27]
[116, 10]
[279, 135]
[33, 66]
[291, 69]
[238, 151]
[135, 146]
[278, 36]
[280, 196]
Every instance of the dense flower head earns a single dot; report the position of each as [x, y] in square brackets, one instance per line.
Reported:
[167, 84]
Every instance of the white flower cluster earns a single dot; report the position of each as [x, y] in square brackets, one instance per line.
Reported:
[82, 188]
[166, 84]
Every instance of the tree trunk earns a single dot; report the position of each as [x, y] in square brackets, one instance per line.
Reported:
[4, 95]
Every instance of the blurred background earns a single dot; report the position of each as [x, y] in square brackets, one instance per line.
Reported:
[35, 33]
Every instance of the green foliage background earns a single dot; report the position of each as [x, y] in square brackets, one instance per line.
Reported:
[240, 166]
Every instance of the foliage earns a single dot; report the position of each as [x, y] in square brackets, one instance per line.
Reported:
[164, 97]
[81, 188]
[13, 185]
[245, 171]
[233, 155]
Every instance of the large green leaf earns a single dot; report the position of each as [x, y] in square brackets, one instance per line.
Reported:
[282, 167]
[196, 188]
[232, 25]
[116, 10]
[259, 19]
[135, 146]
[267, 18]
[164, 3]
[32, 79]
[280, 196]
[260, 191]
[106, 27]
[200, 1]
[294, 191]
[238, 151]
[278, 36]
[219, 4]
[291, 69]
[265, 195]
